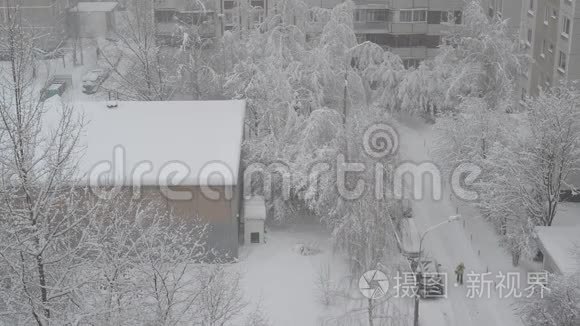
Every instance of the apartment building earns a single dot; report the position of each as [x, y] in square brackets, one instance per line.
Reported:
[410, 29]
[550, 30]
[47, 18]
[171, 15]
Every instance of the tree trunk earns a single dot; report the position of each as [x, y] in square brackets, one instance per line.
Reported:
[515, 257]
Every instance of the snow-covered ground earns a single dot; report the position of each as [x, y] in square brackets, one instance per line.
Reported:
[282, 281]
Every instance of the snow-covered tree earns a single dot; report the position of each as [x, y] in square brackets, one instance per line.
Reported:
[41, 210]
[557, 306]
[142, 261]
[221, 298]
[146, 71]
[553, 148]
[485, 58]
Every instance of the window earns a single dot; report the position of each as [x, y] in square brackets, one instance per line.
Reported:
[406, 16]
[566, 26]
[531, 6]
[360, 15]
[411, 63]
[546, 15]
[229, 18]
[554, 13]
[258, 17]
[447, 16]
[543, 53]
[228, 4]
[551, 48]
[377, 15]
[457, 17]
[562, 61]
[523, 94]
[255, 237]
[499, 7]
[529, 36]
[420, 15]
[434, 17]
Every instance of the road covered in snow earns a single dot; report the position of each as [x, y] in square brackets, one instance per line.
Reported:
[470, 241]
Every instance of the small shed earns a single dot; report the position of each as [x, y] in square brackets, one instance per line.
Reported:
[254, 218]
[559, 245]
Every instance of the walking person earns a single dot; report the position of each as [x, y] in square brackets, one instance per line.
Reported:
[459, 273]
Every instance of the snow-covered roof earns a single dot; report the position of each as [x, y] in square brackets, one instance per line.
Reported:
[160, 143]
[560, 243]
[94, 6]
[254, 208]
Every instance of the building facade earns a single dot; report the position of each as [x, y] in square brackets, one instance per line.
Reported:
[46, 18]
[550, 30]
[505, 9]
[410, 29]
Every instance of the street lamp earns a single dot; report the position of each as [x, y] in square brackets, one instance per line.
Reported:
[450, 219]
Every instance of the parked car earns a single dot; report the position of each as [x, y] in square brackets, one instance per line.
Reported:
[56, 86]
[431, 280]
[93, 80]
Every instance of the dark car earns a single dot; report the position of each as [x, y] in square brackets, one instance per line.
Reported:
[431, 279]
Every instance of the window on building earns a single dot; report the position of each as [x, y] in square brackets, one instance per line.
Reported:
[377, 15]
[228, 4]
[543, 54]
[255, 237]
[523, 94]
[551, 47]
[406, 16]
[411, 63]
[547, 15]
[229, 18]
[457, 16]
[447, 17]
[499, 7]
[164, 16]
[554, 13]
[258, 17]
[360, 15]
[434, 17]
[530, 36]
[531, 8]
[258, 3]
[566, 26]
[419, 15]
[562, 61]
